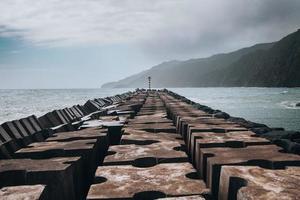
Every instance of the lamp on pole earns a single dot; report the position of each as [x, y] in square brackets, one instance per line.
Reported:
[149, 82]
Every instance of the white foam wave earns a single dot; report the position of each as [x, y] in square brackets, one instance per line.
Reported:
[284, 92]
[290, 104]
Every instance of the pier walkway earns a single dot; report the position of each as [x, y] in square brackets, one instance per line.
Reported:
[144, 145]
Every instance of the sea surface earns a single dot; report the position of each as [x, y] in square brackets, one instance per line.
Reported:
[275, 107]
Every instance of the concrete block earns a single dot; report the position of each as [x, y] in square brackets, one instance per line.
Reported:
[229, 139]
[35, 123]
[59, 174]
[87, 150]
[36, 135]
[124, 182]
[248, 182]
[163, 127]
[163, 152]
[210, 160]
[23, 192]
[192, 197]
[15, 135]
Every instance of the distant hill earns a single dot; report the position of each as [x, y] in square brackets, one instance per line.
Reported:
[263, 65]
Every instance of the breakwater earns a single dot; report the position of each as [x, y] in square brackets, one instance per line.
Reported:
[146, 145]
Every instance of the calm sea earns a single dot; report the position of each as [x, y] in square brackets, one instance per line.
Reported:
[272, 106]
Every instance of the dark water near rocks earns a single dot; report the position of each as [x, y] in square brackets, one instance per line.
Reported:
[275, 107]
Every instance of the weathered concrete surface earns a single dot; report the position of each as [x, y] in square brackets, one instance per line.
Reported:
[56, 149]
[7, 145]
[187, 125]
[85, 134]
[61, 175]
[161, 115]
[162, 127]
[200, 118]
[229, 139]
[149, 120]
[24, 192]
[36, 135]
[91, 152]
[113, 129]
[192, 197]
[210, 160]
[14, 134]
[127, 154]
[245, 182]
[140, 135]
[127, 181]
[191, 128]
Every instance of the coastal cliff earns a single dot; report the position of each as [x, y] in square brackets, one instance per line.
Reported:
[263, 65]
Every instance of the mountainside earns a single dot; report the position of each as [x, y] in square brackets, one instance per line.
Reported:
[264, 65]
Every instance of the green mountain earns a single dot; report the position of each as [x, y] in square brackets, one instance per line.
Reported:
[263, 65]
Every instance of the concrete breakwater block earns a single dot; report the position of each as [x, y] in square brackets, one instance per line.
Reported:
[152, 108]
[173, 113]
[162, 180]
[181, 121]
[221, 128]
[114, 132]
[36, 134]
[191, 197]
[41, 150]
[87, 150]
[40, 132]
[150, 113]
[92, 106]
[84, 134]
[235, 139]
[4, 152]
[59, 174]
[15, 135]
[7, 145]
[49, 120]
[154, 116]
[69, 114]
[185, 125]
[210, 160]
[113, 127]
[55, 120]
[149, 120]
[140, 136]
[128, 154]
[163, 127]
[248, 182]
[22, 192]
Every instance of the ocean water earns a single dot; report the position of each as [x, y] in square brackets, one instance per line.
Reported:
[15, 104]
[275, 107]
[272, 106]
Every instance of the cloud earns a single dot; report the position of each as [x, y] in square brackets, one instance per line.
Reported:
[161, 28]
[202, 28]
[65, 22]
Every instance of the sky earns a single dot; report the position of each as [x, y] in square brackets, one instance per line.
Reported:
[86, 43]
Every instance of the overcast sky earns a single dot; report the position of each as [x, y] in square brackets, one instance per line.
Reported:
[85, 43]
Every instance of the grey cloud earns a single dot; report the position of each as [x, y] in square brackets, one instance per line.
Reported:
[223, 26]
[162, 29]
